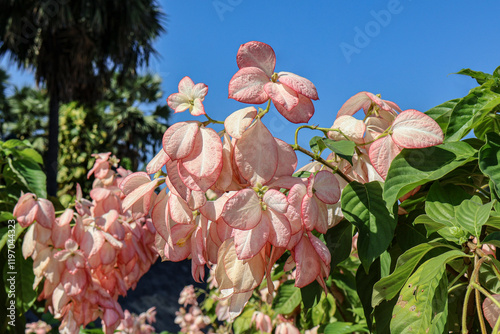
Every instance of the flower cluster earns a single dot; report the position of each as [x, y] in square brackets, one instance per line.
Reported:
[137, 324]
[193, 320]
[88, 258]
[232, 198]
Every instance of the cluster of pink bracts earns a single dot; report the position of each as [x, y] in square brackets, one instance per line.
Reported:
[224, 202]
[89, 264]
[230, 198]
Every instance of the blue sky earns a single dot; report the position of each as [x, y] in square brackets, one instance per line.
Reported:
[404, 50]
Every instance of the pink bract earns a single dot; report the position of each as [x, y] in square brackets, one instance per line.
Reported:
[256, 82]
[190, 96]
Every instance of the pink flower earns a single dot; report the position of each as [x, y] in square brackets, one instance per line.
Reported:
[190, 97]
[256, 82]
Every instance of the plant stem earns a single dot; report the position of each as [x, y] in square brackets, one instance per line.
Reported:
[479, 313]
[456, 279]
[210, 120]
[486, 293]
[472, 284]
[321, 160]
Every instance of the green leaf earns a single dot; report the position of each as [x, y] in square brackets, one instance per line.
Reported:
[441, 113]
[414, 167]
[480, 77]
[4, 234]
[388, 287]
[12, 143]
[489, 157]
[492, 239]
[32, 176]
[471, 215]
[302, 174]
[243, 322]
[409, 236]
[470, 111]
[430, 225]
[32, 154]
[311, 294]
[364, 287]
[344, 328]
[383, 316]
[287, 299]
[494, 220]
[436, 266]
[490, 123]
[343, 148]
[317, 145]
[441, 202]
[421, 308]
[363, 206]
[339, 242]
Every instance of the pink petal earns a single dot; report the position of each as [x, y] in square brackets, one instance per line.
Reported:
[179, 210]
[282, 95]
[299, 84]
[294, 211]
[206, 154]
[45, 214]
[244, 275]
[143, 192]
[61, 231]
[276, 200]
[279, 227]
[236, 123]
[159, 217]
[326, 187]
[381, 154]
[248, 243]
[134, 181]
[226, 175]
[256, 154]
[26, 209]
[301, 113]
[376, 125]
[491, 311]
[413, 129]
[243, 210]
[309, 212]
[351, 127]
[157, 162]
[199, 91]
[247, 86]
[198, 183]
[320, 249]
[256, 54]
[186, 86]
[174, 181]
[354, 104]
[287, 159]
[198, 108]
[308, 266]
[178, 140]
[178, 102]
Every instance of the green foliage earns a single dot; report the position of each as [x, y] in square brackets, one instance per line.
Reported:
[128, 122]
[289, 297]
[20, 171]
[363, 206]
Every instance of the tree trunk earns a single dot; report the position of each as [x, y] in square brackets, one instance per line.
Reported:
[53, 149]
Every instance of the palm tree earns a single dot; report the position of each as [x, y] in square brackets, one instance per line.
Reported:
[74, 48]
